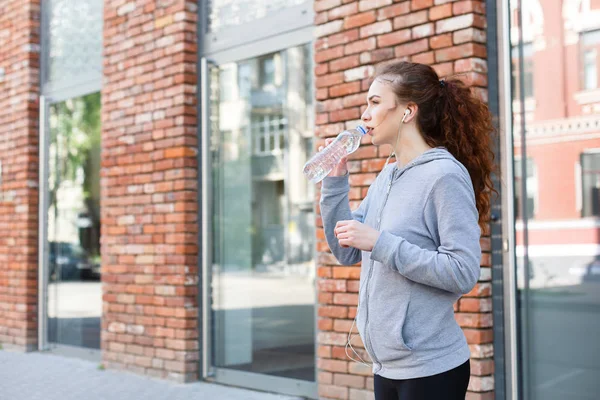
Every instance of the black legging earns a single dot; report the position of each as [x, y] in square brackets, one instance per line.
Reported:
[449, 385]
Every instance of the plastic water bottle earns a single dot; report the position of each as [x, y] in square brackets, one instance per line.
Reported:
[321, 164]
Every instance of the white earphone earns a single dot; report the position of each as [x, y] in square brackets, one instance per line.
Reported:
[407, 112]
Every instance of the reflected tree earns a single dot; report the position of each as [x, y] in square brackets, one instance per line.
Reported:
[75, 132]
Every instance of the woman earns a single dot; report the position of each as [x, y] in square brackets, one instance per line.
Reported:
[417, 231]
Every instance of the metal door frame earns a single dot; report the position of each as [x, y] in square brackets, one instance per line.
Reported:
[511, 342]
[43, 255]
[235, 47]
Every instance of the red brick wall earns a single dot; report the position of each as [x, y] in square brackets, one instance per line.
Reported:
[149, 188]
[353, 37]
[19, 113]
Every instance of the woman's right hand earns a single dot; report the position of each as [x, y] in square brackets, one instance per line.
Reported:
[342, 168]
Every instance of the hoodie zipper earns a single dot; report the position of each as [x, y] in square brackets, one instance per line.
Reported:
[368, 337]
[368, 344]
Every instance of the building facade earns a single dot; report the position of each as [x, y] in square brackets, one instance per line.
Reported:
[154, 216]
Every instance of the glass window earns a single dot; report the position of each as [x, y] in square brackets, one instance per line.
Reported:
[590, 70]
[269, 133]
[263, 225]
[590, 44]
[557, 227]
[74, 288]
[528, 71]
[590, 184]
[267, 69]
[531, 185]
[227, 87]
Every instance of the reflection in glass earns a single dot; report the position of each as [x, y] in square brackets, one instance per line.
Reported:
[590, 67]
[556, 117]
[74, 292]
[531, 184]
[590, 45]
[263, 291]
[527, 71]
[590, 184]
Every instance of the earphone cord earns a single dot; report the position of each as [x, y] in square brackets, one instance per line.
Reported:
[393, 153]
[349, 343]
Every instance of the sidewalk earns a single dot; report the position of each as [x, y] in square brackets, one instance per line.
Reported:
[40, 376]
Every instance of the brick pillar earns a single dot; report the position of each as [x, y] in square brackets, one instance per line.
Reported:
[19, 114]
[149, 188]
[353, 38]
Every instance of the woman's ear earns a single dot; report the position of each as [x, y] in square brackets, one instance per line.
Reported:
[410, 112]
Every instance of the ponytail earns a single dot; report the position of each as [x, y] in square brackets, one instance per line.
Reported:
[452, 117]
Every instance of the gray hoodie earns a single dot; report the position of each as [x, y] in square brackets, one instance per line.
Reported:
[427, 255]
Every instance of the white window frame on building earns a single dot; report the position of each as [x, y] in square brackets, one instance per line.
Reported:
[531, 184]
[589, 47]
[588, 208]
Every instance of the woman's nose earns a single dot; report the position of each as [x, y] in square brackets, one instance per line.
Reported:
[365, 117]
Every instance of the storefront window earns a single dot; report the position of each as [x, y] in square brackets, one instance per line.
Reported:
[74, 288]
[557, 198]
[263, 291]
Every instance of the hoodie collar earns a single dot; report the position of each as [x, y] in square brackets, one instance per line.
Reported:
[436, 153]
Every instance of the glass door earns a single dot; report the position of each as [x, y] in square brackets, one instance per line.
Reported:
[556, 145]
[70, 294]
[74, 306]
[262, 278]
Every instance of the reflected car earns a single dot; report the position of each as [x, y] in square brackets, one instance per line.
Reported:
[70, 260]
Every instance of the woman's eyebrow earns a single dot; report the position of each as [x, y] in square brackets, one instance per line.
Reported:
[372, 96]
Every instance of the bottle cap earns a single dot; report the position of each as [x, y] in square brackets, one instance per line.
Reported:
[361, 129]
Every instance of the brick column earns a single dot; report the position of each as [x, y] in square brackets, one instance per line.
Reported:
[149, 188]
[353, 38]
[19, 114]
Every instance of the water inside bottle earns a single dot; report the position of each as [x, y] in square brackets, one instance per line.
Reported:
[317, 168]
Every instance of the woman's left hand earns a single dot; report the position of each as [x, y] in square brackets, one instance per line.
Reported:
[352, 233]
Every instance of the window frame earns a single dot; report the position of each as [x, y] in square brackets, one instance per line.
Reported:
[587, 153]
[589, 41]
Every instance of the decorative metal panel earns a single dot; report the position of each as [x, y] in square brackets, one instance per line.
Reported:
[72, 40]
[227, 13]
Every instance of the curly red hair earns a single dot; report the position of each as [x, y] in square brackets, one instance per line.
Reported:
[452, 117]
